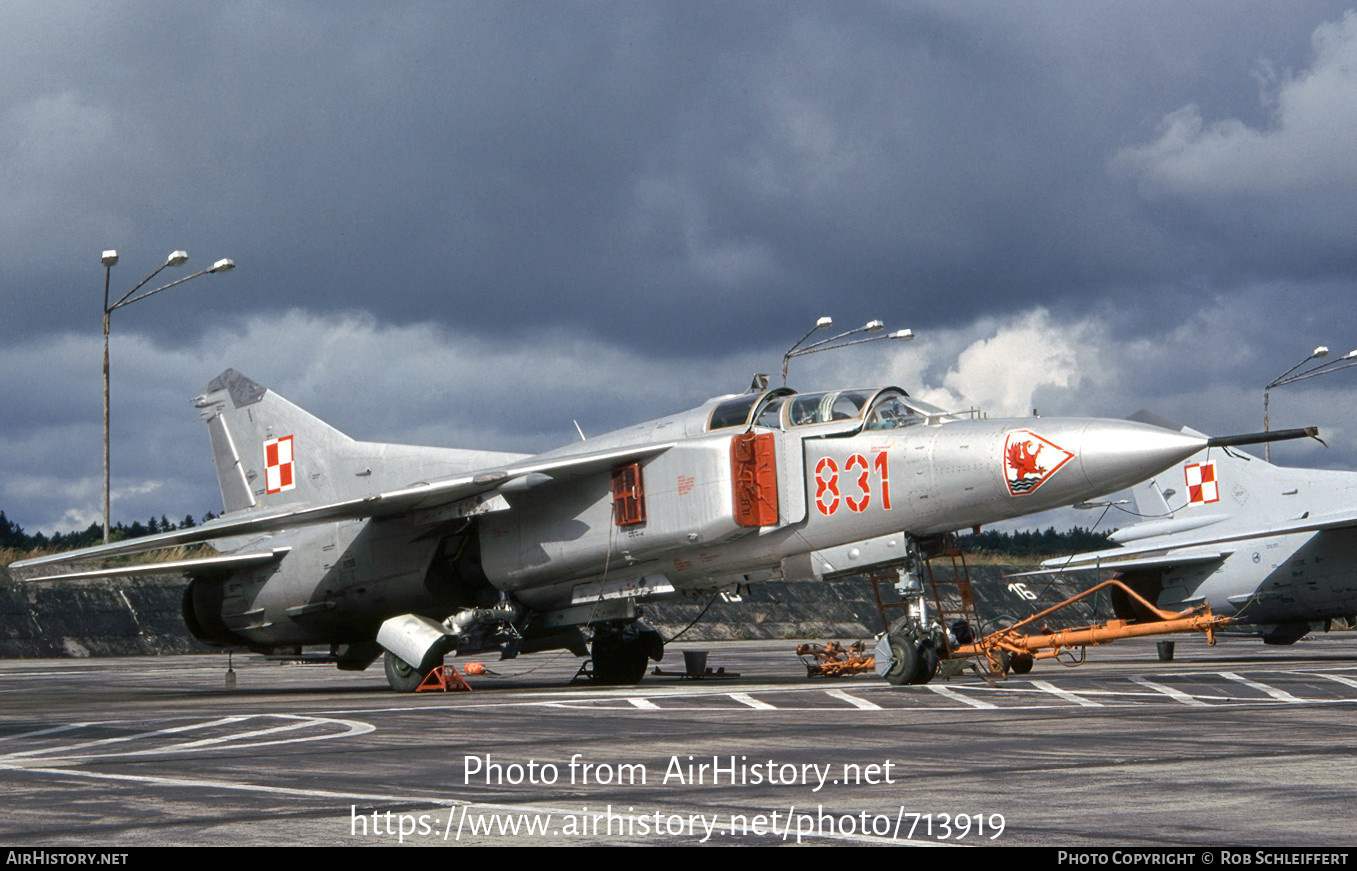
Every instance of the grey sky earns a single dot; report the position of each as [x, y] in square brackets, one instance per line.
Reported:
[470, 223]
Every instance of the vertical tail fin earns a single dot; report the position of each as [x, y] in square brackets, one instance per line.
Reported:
[268, 451]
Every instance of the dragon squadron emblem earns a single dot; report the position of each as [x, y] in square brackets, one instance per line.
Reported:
[1029, 460]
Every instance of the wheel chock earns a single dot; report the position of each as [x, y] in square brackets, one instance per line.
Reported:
[444, 679]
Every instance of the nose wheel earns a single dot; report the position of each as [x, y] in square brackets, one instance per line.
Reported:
[903, 661]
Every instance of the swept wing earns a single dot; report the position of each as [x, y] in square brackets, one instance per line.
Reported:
[423, 495]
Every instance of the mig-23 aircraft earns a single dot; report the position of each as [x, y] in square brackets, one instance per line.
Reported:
[1274, 548]
[416, 552]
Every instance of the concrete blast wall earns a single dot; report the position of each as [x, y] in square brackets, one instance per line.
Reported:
[142, 615]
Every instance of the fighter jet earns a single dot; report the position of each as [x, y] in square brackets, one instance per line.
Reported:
[413, 553]
[1274, 548]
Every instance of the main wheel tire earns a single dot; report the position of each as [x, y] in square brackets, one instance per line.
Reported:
[619, 661]
[403, 677]
[928, 664]
[904, 661]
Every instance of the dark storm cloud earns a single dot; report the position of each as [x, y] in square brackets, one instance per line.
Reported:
[692, 183]
[506, 166]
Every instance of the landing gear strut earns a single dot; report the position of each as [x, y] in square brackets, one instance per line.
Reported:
[914, 644]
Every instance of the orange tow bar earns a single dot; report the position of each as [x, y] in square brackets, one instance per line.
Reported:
[1011, 650]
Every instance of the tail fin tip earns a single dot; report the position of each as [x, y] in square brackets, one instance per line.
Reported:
[242, 390]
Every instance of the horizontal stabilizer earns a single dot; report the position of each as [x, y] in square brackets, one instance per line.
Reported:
[1117, 561]
[1184, 550]
[204, 565]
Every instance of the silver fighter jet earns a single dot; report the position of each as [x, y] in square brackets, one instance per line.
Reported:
[417, 552]
[1274, 548]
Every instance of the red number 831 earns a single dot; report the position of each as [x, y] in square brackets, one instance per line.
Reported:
[827, 494]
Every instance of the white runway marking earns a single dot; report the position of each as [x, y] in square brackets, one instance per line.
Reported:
[40, 732]
[746, 699]
[1177, 695]
[856, 702]
[317, 729]
[123, 738]
[948, 693]
[1277, 694]
[1048, 687]
[1337, 678]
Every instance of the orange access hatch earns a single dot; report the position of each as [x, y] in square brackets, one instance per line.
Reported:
[753, 466]
[629, 495]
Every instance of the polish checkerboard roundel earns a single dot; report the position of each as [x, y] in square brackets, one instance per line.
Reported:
[278, 472]
[1201, 483]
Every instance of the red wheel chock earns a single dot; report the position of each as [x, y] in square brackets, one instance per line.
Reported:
[444, 679]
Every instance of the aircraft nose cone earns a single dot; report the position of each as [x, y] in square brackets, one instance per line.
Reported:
[1115, 454]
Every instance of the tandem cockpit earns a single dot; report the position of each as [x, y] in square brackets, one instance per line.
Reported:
[852, 409]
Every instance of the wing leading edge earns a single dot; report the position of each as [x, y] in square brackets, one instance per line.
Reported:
[194, 567]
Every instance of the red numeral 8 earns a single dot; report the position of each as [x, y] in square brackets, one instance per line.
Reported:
[827, 486]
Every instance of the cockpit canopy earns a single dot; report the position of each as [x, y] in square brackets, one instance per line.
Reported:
[876, 407]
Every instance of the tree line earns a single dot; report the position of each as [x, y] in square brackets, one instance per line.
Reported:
[13, 536]
[1030, 543]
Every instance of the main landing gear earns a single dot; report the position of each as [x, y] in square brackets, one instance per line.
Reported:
[403, 677]
[620, 655]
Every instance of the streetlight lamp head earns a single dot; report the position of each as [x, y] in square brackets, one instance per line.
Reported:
[873, 325]
[824, 322]
[177, 258]
[109, 258]
[1321, 351]
[223, 265]
[903, 335]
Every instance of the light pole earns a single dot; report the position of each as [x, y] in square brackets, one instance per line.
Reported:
[110, 259]
[833, 343]
[1346, 361]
